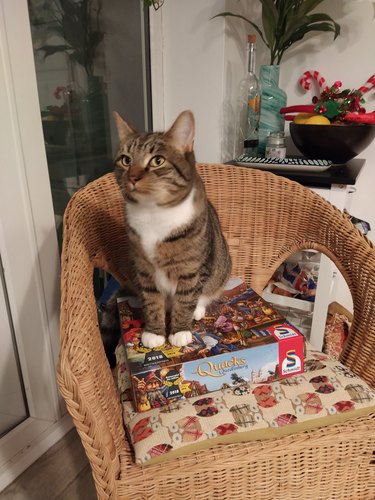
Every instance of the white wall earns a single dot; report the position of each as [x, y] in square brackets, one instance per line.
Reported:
[204, 60]
[192, 67]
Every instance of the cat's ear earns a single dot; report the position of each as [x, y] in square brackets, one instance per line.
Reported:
[123, 128]
[182, 132]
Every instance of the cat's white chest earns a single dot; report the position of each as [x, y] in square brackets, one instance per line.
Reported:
[153, 223]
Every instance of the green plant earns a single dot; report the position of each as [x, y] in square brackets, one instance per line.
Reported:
[286, 22]
[77, 23]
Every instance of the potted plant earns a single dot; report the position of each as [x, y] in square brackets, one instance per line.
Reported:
[286, 22]
[74, 28]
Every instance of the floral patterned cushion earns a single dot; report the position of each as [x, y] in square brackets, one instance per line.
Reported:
[325, 394]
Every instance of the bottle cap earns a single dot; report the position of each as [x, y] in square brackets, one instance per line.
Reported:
[251, 38]
[276, 138]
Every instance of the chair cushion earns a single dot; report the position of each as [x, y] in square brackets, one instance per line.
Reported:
[327, 393]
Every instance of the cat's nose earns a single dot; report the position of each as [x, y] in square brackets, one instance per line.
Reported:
[135, 174]
[134, 179]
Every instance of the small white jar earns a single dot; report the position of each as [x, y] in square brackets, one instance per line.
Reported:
[275, 146]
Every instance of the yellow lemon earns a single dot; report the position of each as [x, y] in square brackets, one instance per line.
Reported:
[317, 120]
[302, 117]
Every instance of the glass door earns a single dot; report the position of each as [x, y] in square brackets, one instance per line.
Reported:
[85, 59]
[91, 58]
[13, 406]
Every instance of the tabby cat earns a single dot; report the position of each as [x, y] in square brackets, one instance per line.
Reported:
[178, 256]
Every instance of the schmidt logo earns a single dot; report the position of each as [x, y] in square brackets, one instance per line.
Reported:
[284, 331]
[291, 363]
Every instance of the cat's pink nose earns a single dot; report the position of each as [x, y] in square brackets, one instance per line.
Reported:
[134, 179]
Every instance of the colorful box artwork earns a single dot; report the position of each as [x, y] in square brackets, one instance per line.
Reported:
[241, 339]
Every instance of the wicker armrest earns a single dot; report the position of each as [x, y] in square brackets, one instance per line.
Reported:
[84, 375]
[354, 255]
[332, 233]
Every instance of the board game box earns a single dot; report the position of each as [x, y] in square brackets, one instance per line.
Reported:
[241, 339]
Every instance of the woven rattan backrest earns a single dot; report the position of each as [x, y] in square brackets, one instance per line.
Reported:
[265, 217]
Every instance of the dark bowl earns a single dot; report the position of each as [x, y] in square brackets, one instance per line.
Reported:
[338, 143]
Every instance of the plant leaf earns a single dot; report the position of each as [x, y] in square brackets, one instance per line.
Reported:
[319, 17]
[283, 8]
[269, 21]
[300, 25]
[308, 5]
[294, 24]
[231, 14]
[73, 25]
[299, 34]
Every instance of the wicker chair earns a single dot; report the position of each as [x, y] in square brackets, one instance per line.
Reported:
[266, 218]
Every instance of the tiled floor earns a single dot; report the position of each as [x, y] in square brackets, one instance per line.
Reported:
[62, 473]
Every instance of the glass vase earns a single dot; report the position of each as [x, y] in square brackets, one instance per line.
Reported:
[272, 99]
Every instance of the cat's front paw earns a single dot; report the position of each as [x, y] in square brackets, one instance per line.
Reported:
[199, 312]
[181, 339]
[151, 340]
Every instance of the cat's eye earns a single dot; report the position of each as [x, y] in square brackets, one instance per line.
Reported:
[126, 160]
[157, 161]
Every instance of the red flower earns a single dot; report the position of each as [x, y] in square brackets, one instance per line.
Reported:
[58, 91]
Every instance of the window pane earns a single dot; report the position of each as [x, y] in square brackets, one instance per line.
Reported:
[91, 58]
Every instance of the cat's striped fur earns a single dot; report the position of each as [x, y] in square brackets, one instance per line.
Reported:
[177, 253]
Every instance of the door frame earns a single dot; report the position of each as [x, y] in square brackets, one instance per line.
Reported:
[157, 68]
[28, 246]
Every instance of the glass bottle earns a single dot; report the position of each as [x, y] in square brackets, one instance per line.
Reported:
[248, 107]
[273, 98]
